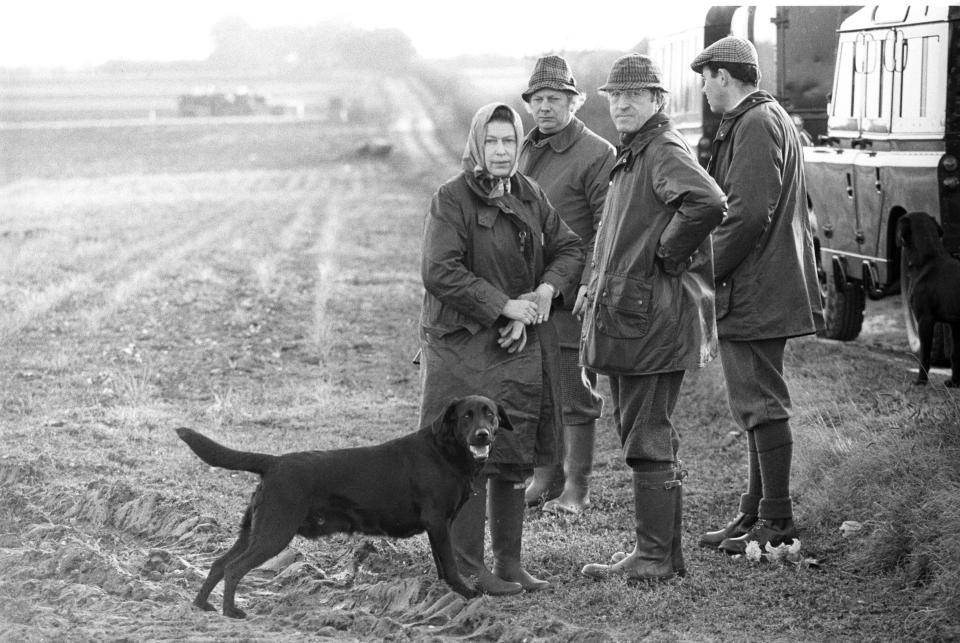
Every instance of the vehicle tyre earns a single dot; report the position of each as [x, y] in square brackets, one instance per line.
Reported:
[842, 309]
[942, 339]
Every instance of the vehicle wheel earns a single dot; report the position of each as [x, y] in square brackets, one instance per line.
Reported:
[842, 309]
[942, 340]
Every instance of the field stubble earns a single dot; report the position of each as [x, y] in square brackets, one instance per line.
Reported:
[273, 306]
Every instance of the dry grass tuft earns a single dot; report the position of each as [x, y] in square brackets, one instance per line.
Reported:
[890, 461]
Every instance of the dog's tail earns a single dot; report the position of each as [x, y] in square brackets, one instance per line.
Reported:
[218, 455]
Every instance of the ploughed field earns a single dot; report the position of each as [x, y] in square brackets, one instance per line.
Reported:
[259, 282]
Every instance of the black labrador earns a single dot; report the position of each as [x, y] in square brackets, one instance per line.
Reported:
[934, 294]
[403, 487]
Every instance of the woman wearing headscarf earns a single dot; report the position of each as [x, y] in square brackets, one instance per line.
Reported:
[495, 255]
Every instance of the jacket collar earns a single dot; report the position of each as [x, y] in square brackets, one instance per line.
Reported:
[755, 99]
[632, 145]
[638, 141]
[562, 140]
[520, 188]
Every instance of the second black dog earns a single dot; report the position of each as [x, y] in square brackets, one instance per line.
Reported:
[403, 487]
[934, 293]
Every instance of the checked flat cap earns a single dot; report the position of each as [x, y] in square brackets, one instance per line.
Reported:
[634, 71]
[551, 72]
[726, 50]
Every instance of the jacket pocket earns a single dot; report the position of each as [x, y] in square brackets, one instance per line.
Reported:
[623, 307]
[441, 319]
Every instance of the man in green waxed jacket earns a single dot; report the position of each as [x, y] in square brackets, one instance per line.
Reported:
[650, 310]
[766, 281]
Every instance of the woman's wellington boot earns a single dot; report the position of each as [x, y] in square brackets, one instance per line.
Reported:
[506, 534]
[467, 534]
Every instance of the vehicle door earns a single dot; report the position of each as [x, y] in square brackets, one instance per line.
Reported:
[830, 170]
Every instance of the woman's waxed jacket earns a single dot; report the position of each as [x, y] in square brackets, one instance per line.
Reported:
[478, 252]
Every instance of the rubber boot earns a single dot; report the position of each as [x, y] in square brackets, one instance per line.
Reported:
[655, 504]
[547, 484]
[577, 466]
[467, 533]
[679, 567]
[506, 534]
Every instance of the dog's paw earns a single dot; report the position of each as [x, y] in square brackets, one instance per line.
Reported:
[952, 383]
[920, 381]
[205, 606]
[234, 612]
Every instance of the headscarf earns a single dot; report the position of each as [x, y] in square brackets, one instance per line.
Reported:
[473, 162]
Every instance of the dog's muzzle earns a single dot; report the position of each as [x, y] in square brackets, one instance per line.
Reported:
[480, 452]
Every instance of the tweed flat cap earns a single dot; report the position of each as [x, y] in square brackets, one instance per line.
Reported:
[727, 50]
[634, 71]
[551, 72]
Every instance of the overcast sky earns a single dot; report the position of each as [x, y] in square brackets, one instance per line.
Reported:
[79, 33]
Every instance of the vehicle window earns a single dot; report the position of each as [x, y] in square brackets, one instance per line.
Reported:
[920, 106]
[843, 115]
[878, 85]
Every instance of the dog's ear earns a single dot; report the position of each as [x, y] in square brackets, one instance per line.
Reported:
[450, 413]
[447, 418]
[505, 422]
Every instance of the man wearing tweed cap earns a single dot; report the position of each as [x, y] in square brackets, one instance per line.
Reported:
[766, 281]
[727, 50]
[650, 312]
[572, 165]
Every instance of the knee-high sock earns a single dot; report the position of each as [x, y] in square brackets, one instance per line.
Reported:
[774, 452]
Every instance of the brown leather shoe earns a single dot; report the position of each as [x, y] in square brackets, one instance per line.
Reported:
[776, 532]
[737, 527]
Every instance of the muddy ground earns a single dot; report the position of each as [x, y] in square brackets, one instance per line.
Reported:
[271, 302]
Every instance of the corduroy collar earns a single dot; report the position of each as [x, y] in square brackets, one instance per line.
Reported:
[637, 141]
[632, 144]
[749, 102]
[562, 140]
[758, 97]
